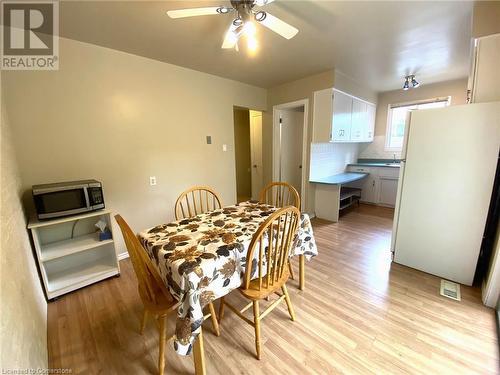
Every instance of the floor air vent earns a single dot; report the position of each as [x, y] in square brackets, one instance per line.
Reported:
[450, 289]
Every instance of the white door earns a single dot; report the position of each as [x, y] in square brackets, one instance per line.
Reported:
[342, 117]
[292, 125]
[256, 152]
[446, 185]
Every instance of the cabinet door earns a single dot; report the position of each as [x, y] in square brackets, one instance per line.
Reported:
[388, 191]
[369, 189]
[342, 117]
[359, 120]
[322, 116]
[370, 122]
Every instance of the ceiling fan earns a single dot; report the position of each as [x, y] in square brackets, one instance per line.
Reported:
[247, 16]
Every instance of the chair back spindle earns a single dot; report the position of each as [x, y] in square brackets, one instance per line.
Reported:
[195, 201]
[272, 266]
[280, 194]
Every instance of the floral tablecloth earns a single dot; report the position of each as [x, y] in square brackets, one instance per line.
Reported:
[204, 257]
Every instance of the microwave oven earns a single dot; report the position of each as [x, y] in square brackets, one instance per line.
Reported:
[67, 198]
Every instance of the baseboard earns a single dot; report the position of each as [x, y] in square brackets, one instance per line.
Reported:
[122, 256]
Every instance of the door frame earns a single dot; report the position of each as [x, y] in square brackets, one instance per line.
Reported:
[276, 143]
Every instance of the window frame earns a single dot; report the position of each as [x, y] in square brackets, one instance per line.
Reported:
[390, 107]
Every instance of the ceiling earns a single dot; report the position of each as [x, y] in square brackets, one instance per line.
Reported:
[375, 43]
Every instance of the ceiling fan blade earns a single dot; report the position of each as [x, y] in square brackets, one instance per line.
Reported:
[231, 37]
[278, 26]
[181, 13]
[261, 3]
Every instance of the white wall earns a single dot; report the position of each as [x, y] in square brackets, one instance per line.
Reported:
[120, 118]
[457, 89]
[23, 332]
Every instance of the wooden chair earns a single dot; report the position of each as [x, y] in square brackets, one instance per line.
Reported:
[156, 298]
[195, 201]
[280, 230]
[281, 194]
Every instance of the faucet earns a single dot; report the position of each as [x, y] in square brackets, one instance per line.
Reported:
[394, 158]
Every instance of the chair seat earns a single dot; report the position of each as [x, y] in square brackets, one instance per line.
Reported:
[253, 293]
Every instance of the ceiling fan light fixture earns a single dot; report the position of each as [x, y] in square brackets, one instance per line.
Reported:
[249, 29]
[260, 16]
[224, 10]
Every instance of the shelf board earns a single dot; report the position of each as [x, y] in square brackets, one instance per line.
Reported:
[79, 276]
[349, 192]
[74, 245]
[34, 222]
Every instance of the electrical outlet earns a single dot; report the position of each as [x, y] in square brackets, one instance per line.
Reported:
[152, 180]
[224, 148]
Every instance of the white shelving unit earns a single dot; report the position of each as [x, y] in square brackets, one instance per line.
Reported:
[69, 253]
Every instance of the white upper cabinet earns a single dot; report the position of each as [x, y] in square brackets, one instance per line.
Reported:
[359, 120]
[370, 123]
[340, 117]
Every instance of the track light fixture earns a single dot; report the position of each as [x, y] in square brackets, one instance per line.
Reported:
[410, 82]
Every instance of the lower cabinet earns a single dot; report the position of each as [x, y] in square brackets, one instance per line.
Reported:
[380, 186]
[388, 191]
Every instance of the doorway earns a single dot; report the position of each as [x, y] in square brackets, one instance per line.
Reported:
[248, 153]
[290, 144]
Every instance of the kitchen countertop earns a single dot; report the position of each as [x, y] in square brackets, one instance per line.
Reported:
[339, 179]
[369, 164]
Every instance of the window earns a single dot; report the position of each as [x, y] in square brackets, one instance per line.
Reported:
[396, 120]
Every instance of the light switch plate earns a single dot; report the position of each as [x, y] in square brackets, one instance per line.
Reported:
[209, 139]
[224, 148]
[152, 180]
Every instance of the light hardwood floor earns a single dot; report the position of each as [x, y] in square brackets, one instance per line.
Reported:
[358, 314]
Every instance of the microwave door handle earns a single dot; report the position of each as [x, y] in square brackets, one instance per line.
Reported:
[86, 192]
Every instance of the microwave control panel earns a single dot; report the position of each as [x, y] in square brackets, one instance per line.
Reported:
[95, 196]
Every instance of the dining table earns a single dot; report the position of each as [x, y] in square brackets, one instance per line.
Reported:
[203, 258]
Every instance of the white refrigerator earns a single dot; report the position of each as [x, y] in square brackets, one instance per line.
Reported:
[447, 173]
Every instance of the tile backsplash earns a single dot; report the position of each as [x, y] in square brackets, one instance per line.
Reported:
[376, 149]
[328, 159]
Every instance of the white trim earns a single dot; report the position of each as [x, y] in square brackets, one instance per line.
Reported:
[276, 144]
[122, 256]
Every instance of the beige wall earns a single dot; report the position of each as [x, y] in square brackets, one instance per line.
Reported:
[121, 118]
[23, 334]
[242, 153]
[486, 18]
[457, 89]
[289, 92]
